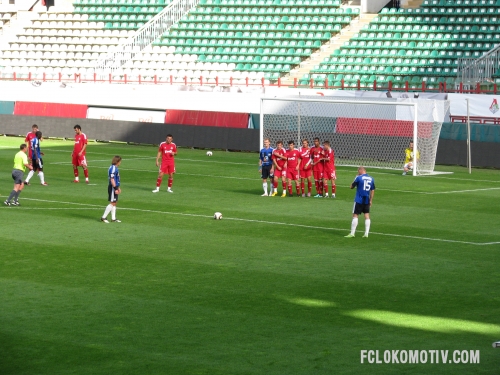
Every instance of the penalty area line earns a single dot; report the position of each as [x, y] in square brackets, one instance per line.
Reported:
[94, 206]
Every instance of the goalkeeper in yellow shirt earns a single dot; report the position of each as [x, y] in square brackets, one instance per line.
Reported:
[409, 155]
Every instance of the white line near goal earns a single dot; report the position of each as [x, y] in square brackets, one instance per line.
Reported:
[95, 206]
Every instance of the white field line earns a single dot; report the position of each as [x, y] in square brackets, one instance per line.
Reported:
[255, 179]
[92, 206]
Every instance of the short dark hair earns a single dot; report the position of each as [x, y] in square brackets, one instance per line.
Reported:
[116, 159]
[77, 127]
[170, 135]
[279, 142]
[22, 147]
[316, 139]
[34, 126]
[291, 142]
[326, 143]
[38, 134]
[411, 142]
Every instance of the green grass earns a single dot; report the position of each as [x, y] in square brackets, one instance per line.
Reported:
[172, 291]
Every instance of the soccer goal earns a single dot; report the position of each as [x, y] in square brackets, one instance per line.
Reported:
[371, 133]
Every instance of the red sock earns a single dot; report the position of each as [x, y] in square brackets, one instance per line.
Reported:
[309, 186]
[86, 173]
[284, 186]
[275, 184]
[170, 182]
[75, 171]
[316, 183]
[290, 189]
[334, 188]
[302, 186]
[158, 182]
[325, 188]
[297, 187]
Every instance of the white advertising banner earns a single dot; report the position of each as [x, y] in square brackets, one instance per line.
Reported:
[479, 105]
[135, 115]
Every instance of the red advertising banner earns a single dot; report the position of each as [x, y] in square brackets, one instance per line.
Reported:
[50, 109]
[204, 118]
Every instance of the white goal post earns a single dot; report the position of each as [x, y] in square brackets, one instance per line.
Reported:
[371, 133]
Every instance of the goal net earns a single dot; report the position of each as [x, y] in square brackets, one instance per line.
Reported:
[371, 133]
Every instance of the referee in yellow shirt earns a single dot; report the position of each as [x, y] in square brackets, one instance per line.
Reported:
[20, 165]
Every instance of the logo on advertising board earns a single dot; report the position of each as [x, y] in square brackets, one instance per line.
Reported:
[494, 106]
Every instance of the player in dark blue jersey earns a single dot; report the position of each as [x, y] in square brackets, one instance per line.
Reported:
[113, 190]
[266, 166]
[36, 159]
[365, 189]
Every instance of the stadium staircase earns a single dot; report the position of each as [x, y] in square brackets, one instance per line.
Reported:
[414, 48]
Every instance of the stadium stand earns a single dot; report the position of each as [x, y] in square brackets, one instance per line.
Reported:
[418, 46]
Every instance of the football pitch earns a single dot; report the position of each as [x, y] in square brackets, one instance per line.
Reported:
[272, 288]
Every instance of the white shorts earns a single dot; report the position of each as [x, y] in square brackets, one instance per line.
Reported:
[409, 166]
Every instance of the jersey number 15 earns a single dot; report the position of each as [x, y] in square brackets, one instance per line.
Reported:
[367, 185]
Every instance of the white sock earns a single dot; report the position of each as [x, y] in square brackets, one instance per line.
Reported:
[107, 211]
[42, 178]
[354, 224]
[367, 226]
[86, 178]
[77, 178]
[264, 185]
[113, 212]
[29, 176]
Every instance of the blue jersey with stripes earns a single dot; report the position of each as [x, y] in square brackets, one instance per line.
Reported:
[266, 156]
[35, 148]
[364, 185]
[114, 174]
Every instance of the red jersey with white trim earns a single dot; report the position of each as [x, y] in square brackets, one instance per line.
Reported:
[317, 154]
[80, 141]
[28, 139]
[330, 162]
[293, 158]
[167, 152]
[305, 155]
[279, 161]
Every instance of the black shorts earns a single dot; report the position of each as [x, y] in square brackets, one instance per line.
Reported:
[266, 172]
[112, 197]
[17, 176]
[361, 208]
[36, 165]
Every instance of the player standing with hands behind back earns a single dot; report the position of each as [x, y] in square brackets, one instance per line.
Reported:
[114, 190]
[266, 166]
[365, 189]
[167, 151]
[78, 155]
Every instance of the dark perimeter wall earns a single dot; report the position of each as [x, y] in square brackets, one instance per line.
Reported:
[139, 132]
[450, 151]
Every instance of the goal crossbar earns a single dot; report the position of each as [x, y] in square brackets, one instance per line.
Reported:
[339, 101]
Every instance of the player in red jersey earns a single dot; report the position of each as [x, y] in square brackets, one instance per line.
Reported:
[293, 168]
[27, 140]
[78, 155]
[305, 168]
[318, 167]
[329, 171]
[279, 162]
[167, 151]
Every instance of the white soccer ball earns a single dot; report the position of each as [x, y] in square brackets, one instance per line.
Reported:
[217, 216]
[209, 153]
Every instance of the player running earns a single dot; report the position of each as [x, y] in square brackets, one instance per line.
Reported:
[167, 151]
[279, 162]
[329, 168]
[409, 155]
[78, 155]
[20, 164]
[365, 185]
[27, 140]
[293, 168]
[266, 166]
[36, 159]
[305, 168]
[114, 190]
[318, 167]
